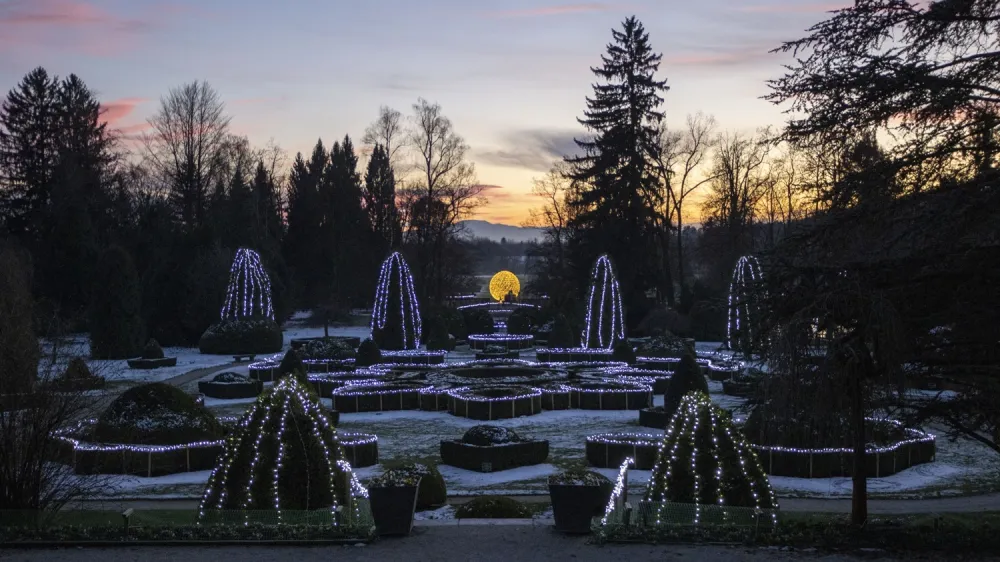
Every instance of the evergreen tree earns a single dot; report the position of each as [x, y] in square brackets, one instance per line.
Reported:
[19, 350]
[28, 150]
[241, 230]
[619, 192]
[116, 327]
[344, 229]
[301, 248]
[380, 200]
[267, 210]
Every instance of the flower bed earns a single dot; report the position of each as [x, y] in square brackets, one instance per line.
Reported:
[263, 371]
[609, 450]
[607, 395]
[494, 402]
[87, 457]
[479, 373]
[327, 365]
[350, 341]
[144, 364]
[555, 396]
[360, 449]
[377, 396]
[413, 357]
[509, 342]
[434, 398]
[325, 384]
[572, 354]
[241, 336]
[657, 380]
[230, 386]
[910, 448]
[491, 449]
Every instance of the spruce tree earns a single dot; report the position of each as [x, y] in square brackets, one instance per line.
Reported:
[380, 200]
[19, 350]
[116, 327]
[345, 229]
[619, 192]
[28, 151]
[301, 246]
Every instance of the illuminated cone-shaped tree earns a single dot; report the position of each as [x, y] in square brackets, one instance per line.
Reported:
[705, 461]
[605, 324]
[249, 292]
[745, 297]
[283, 455]
[396, 320]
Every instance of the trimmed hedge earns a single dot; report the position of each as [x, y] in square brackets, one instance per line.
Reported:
[655, 417]
[77, 377]
[494, 402]
[156, 414]
[687, 378]
[242, 337]
[434, 398]
[602, 454]
[227, 386]
[571, 355]
[492, 507]
[595, 395]
[368, 354]
[494, 458]
[377, 398]
[555, 397]
[139, 461]
[841, 464]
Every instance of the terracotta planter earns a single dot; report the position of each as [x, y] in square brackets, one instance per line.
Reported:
[393, 509]
[574, 506]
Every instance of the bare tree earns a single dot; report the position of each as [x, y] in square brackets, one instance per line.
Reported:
[738, 180]
[388, 131]
[445, 192]
[692, 149]
[188, 134]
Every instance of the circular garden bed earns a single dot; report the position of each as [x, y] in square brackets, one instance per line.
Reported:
[360, 449]
[572, 355]
[723, 371]
[230, 386]
[474, 374]
[897, 449]
[509, 342]
[609, 450]
[413, 357]
[609, 395]
[555, 396]
[377, 396]
[326, 383]
[434, 398]
[655, 379]
[494, 402]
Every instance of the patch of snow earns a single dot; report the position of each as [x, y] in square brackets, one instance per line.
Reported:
[461, 479]
[443, 513]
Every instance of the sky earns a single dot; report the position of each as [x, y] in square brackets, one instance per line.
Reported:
[512, 75]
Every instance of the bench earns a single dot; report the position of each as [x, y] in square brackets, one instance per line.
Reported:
[243, 358]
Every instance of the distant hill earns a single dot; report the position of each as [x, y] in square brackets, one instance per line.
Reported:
[486, 229]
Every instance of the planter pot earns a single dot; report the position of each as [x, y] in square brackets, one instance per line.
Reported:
[574, 506]
[393, 509]
[141, 363]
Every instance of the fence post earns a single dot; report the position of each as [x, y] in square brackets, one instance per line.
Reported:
[187, 455]
[149, 464]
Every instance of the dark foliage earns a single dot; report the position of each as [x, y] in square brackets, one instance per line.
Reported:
[477, 321]
[242, 336]
[156, 414]
[492, 508]
[19, 352]
[116, 327]
[152, 350]
[686, 379]
[368, 353]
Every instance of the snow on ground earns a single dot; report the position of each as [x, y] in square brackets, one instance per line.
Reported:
[444, 513]
[468, 482]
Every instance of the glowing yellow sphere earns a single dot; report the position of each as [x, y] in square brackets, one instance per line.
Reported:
[504, 283]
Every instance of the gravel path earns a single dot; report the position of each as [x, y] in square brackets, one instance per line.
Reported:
[454, 544]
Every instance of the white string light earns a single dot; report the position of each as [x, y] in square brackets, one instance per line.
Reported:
[409, 308]
[747, 275]
[249, 292]
[608, 305]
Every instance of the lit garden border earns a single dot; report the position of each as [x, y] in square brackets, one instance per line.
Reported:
[88, 457]
[434, 398]
[555, 396]
[377, 396]
[571, 354]
[325, 383]
[918, 447]
[510, 342]
[360, 449]
[609, 450]
[494, 402]
[263, 371]
[609, 395]
[327, 365]
[412, 357]
[494, 458]
[506, 372]
[654, 378]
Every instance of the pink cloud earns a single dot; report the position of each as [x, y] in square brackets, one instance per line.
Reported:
[114, 111]
[556, 10]
[72, 25]
[731, 58]
[794, 8]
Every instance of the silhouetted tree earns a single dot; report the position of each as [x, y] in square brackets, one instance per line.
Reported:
[380, 200]
[116, 327]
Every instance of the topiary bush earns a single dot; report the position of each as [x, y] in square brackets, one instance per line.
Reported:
[242, 336]
[704, 459]
[493, 508]
[624, 352]
[478, 321]
[562, 336]
[115, 322]
[283, 454]
[368, 354]
[326, 349]
[152, 350]
[77, 370]
[665, 345]
[687, 378]
[156, 414]
[488, 435]
[77, 377]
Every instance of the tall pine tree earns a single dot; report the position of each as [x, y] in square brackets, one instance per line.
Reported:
[345, 233]
[619, 193]
[380, 201]
[301, 246]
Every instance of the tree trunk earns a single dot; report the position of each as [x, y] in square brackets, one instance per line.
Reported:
[668, 281]
[859, 496]
[680, 249]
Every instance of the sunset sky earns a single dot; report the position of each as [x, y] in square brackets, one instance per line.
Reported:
[511, 75]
